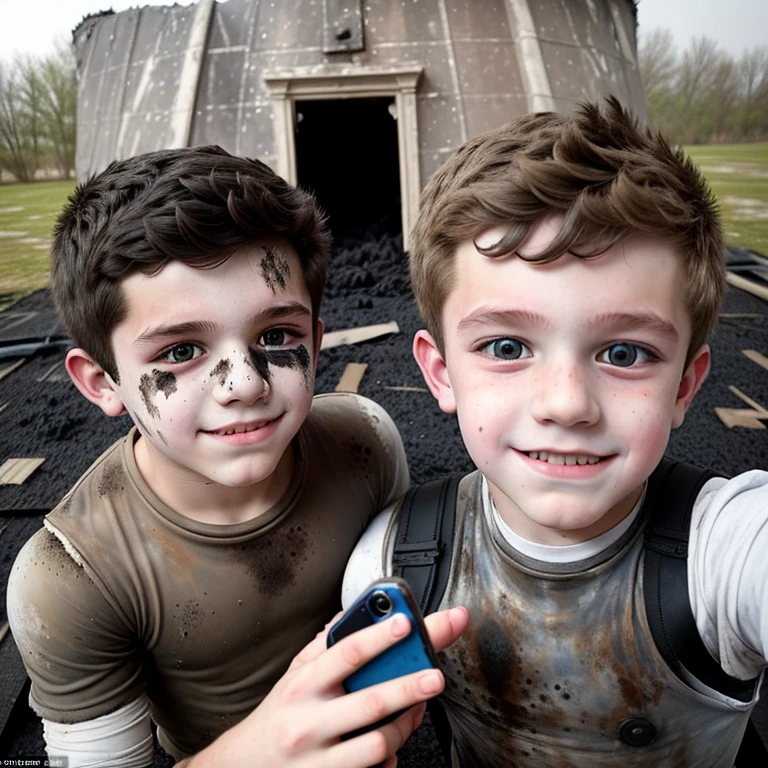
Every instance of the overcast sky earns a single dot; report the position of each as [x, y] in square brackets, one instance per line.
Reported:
[33, 25]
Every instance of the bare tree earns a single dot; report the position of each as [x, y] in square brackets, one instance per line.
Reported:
[19, 136]
[58, 106]
[658, 70]
[753, 90]
[38, 103]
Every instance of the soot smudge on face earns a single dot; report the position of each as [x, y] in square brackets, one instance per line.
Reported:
[221, 371]
[151, 384]
[260, 362]
[296, 357]
[274, 268]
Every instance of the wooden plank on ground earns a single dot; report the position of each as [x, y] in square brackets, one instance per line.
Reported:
[756, 357]
[356, 335]
[351, 378]
[750, 286]
[749, 418]
[5, 370]
[16, 471]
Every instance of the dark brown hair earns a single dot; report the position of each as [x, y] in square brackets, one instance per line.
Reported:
[606, 175]
[197, 205]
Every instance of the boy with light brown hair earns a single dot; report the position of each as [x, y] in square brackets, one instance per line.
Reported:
[182, 580]
[569, 270]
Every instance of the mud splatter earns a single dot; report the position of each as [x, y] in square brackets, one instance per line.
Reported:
[360, 455]
[275, 559]
[495, 655]
[296, 357]
[221, 371]
[274, 268]
[151, 384]
[190, 617]
[112, 479]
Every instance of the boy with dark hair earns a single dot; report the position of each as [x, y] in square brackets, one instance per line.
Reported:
[199, 554]
[569, 269]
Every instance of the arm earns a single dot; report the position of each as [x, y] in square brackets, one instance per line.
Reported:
[728, 571]
[301, 722]
[367, 561]
[85, 671]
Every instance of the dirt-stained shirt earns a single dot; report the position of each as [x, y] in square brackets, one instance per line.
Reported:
[558, 666]
[120, 596]
[561, 663]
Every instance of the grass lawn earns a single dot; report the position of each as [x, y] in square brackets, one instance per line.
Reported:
[27, 216]
[738, 174]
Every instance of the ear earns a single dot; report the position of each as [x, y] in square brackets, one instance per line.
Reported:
[693, 378]
[319, 328]
[434, 370]
[93, 382]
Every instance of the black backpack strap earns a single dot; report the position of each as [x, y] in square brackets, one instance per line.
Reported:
[672, 491]
[422, 556]
[424, 540]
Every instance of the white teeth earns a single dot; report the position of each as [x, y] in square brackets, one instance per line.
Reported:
[569, 459]
[237, 430]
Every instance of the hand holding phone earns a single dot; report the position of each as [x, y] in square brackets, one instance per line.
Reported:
[382, 599]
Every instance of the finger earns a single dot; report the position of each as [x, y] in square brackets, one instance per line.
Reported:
[314, 648]
[366, 707]
[349, 654]
[445, 627]
[377, 747]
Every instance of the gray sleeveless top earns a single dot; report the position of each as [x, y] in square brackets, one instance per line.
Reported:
[558, 666]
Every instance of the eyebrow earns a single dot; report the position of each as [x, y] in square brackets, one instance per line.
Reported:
[153, 335]
[630, 321]
[490, 316]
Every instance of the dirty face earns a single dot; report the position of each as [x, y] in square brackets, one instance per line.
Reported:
[216, 366]
[566, 378]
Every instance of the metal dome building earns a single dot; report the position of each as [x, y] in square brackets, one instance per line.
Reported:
[359, 100]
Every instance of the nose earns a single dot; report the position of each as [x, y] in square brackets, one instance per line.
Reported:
[241, 378]
[566, 395]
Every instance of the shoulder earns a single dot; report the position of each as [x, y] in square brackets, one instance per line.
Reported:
[108, 476]
[745, 496]
[351, 408]
[353, 421]
[730, 516]
[728, 570]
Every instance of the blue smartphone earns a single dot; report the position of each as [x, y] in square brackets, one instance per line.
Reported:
[382, 599]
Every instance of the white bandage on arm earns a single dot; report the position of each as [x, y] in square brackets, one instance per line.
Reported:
[122, 739]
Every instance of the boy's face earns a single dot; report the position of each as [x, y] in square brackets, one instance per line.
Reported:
[216, 366]
[566, 377]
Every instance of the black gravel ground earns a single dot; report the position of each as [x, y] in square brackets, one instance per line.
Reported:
[42, 415]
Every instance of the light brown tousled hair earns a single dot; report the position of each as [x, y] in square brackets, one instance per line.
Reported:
[605, 174]
[197, 205]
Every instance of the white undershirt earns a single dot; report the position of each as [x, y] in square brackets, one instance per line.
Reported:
[558, 553]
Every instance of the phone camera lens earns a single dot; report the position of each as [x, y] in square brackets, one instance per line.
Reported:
[380, 603]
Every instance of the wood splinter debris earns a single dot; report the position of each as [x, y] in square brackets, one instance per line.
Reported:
[16, 471]
[356, 335]
[351, 378]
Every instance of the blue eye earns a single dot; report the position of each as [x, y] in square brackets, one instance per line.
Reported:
[625, 355]
[182, 353]
[506, 349]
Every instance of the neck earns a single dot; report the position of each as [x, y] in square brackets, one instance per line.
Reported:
[206, 501]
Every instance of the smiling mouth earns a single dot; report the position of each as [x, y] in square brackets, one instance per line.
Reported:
[567, 459]
[240, 429]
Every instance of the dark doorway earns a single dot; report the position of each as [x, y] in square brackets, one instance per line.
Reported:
[347, 154]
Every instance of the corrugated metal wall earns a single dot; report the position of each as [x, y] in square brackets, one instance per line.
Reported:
[166, 76]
